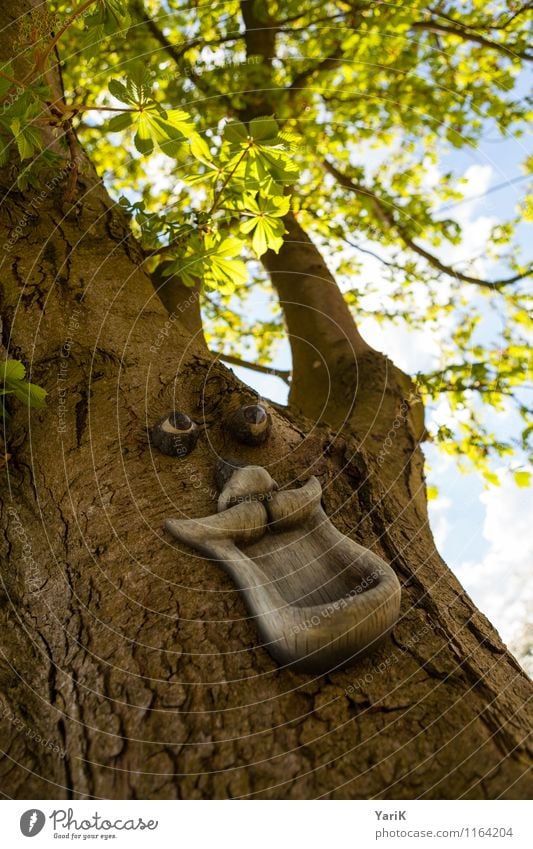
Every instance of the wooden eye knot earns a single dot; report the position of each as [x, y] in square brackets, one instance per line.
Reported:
[179, 421]
[255, 414]
[174, 434]
[251, 424]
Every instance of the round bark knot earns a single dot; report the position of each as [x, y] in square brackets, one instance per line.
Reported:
[251, 424]
[174, 434]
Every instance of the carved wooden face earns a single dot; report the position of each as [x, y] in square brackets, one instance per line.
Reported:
[319, 599]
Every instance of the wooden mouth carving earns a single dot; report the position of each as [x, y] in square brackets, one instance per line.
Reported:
[320, 600]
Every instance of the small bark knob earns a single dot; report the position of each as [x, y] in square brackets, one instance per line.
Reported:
[251, 424]
[175, 434]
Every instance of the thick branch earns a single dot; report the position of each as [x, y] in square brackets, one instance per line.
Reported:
[328, 63]
[260, 40]
[469, 35]
[385, 215]
[259, 36]
[323, 335]
[177, 53]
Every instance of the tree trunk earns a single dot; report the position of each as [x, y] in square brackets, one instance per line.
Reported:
[325, 343]
[135, 657]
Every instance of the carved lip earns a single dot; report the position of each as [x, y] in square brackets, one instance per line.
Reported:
[245, 484]
[319, 599]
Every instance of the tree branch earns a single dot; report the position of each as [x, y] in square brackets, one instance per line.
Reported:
[177, 53]
[372, 254]
[259, 36]
[468, 35]
[387, 218]
[236, 361]
[327, 63]
[485, 25]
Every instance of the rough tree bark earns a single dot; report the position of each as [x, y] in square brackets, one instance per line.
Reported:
[134, 655]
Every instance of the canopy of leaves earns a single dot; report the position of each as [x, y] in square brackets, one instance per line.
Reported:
[211, 120]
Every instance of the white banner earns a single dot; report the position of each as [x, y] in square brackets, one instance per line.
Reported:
[267, 824]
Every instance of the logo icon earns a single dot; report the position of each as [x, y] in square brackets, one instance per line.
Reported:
[32, 822]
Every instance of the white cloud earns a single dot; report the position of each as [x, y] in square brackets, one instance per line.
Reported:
[478, 179]
[500, 583]
[441, 414]
[410, 349]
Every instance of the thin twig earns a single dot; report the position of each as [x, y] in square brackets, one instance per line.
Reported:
[385, 215]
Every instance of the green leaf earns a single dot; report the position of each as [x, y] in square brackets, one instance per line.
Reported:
[235, 132]
[226, 274]
[214, 261]
[143, 137]
[267, 233]
[169, 133]
[12, 373]
[264, 130]
[119, 91]
[200, 148]
[265, 222]
[522, 478]
[111, 15]
[30, 394]
[11, 370]
[120, 122]
[28, 139]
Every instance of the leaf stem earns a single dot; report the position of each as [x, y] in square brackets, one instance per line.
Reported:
[78, 109]
[218, 194]
[11, 79]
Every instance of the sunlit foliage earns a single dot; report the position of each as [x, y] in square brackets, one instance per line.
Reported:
[209, 121]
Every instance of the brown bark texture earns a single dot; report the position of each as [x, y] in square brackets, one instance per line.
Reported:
[129, 667]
